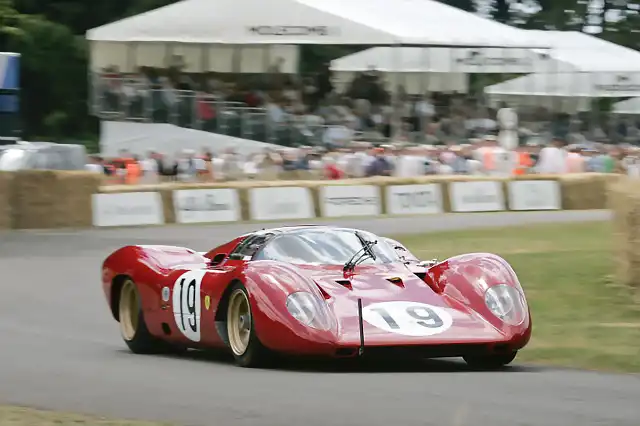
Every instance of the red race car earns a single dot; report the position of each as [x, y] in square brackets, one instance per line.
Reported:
[317, 290]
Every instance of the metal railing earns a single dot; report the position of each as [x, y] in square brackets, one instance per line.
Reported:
[127, 100]
[117, 99]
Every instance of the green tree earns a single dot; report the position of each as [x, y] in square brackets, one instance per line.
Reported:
[501, 11]
[53, 73]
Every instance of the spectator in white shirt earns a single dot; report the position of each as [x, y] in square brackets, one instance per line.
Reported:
[553, 158]
[411, 163]
[149, 168]
[95, 165]
[508, 123]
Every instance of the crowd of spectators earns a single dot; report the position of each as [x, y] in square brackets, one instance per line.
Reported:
[482, 156]
[361, 131]
[293, 110]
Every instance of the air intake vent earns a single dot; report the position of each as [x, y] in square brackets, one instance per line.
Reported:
[396, 280]
[345, 283]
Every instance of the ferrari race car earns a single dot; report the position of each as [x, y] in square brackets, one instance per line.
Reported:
[318, 291]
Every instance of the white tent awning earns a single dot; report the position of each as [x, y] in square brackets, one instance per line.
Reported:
[601, 70]
[572, 84]
[448, 60]
[412, 83]
[588, 53]
[368, 22]
[628, 107]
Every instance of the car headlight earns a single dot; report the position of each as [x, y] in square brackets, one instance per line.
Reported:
[309, 310]
[507, 303]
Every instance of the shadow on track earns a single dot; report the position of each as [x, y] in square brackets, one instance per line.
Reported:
[354, 365]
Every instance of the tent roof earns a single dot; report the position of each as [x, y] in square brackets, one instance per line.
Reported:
[571, 84]
[569, 50]
[588, 53]
[630, 106]
[368, 22]
[446, 60]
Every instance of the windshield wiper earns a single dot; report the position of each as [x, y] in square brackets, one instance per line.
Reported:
[365, 252]
[367, 245]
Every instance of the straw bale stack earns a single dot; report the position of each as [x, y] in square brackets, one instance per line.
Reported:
[624, 201]
[44, 199]
[586, 191]
[6, 204]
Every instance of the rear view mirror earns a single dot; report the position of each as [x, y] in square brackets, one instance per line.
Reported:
[218, 259]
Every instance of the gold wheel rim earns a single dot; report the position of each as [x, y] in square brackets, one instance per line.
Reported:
[239, 322]
[129, 310]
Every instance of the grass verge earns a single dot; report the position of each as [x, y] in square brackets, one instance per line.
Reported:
[22, 416]
[581, 317]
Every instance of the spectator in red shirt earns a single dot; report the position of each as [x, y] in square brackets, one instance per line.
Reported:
[332, 171]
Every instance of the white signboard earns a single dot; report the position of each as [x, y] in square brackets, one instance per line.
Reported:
[534, 195]
[127, 209]
[206, 205]
[281, 203]
[351, 200]
[481, 196]
[414, 199]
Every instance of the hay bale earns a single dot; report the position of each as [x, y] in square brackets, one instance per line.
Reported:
[585, 191]
[167, 205]
[624, 201]
[6, 202]
[45, 199]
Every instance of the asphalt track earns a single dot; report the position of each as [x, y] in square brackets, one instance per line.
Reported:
[60, 349]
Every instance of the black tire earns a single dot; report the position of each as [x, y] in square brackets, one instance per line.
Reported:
[490, 362]
[133, 328]
[247, 351]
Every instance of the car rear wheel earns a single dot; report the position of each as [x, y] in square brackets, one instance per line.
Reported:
[490, 362]
[132, 326]
[245, 346]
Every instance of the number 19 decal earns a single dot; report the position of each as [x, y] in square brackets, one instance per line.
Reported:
[187, 304]
[408, 318]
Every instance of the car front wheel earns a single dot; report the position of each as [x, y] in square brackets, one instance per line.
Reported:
[133, 328]
[247, 350]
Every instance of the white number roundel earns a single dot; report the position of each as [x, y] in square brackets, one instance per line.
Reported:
[187, 304]
[408, 318]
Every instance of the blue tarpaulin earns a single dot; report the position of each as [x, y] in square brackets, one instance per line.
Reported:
[9, 71]
[9, 82]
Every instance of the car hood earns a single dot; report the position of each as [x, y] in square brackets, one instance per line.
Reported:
[398, 306]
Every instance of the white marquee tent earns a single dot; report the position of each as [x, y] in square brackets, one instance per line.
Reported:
[627, 107]
[600, 70]
[197, 30]
[440, 68]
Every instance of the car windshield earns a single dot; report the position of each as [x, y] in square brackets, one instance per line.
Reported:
[12, 159]
[324, 247]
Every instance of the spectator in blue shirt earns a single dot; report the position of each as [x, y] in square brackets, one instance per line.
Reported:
[380, 165]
